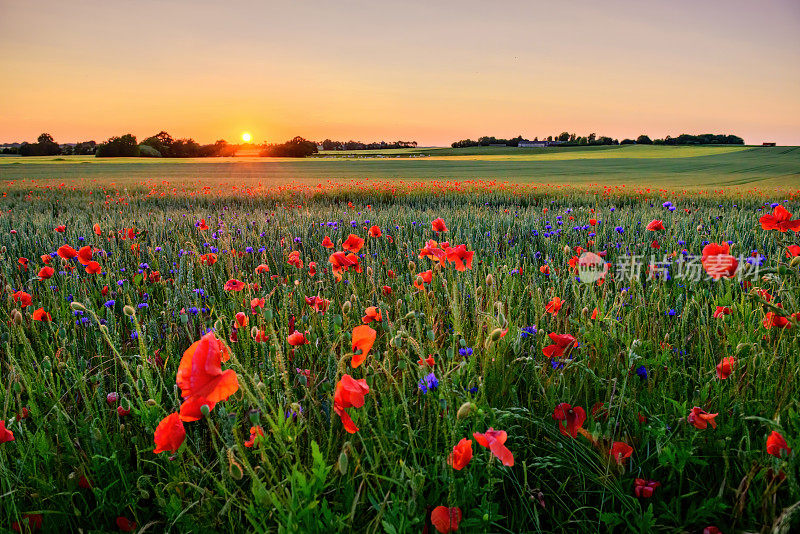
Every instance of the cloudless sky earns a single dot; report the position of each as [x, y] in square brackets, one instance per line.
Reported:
[433, 71]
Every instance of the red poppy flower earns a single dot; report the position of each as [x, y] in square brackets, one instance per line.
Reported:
[67, 252]
[776, 444]
[554, 306]
[570, 419]
[93, 267]
[494, 440]
[438, 225]
[234, 285]
[312, 268]
[241, 320]
[792, 251]
[544, 269]
[372, 314]
[201, 224]
[655, 225]
[169, 434]
[644, 488]
[125, 524]
[386, 290]
[96, 229]
[375, 231]
[85, 255]
[773, 320]
[717, 261]
[327, 243]
[712, 530]
[423, 278]
[779, 220]
[340, 262]
[46, 259]
[41, 315]
[561, 342]
[23, 298]
[294, 259]
[208, 259]
[461, 455]
[433, 252]
[201, 378]
[725, 367]
[353, 243]
[255, 432]
[427, 361]
[595, 313]
[262, 268]
[296, 339]
[46, 272]
[363, 339]
[29, 523]
[701, 419]
[5, 434]
[619, 451]
[349, 394]
[721, 311]
[592, 222]
[460, 257]
[23, 263]
[446, 519]
[61, 229]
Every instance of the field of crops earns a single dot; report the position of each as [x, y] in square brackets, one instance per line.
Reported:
[192, 356]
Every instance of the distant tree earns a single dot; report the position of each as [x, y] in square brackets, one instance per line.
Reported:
[84, 148]
[627, 142]
[162, 142]
[45, 146]
[117, 147]
[563, 137]
[297, 147]
[643, 140]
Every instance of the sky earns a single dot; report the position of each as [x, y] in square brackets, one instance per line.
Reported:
[433, 71]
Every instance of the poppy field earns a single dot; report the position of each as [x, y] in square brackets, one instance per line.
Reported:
[397, 357]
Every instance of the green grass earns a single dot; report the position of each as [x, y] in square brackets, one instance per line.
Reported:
[308, 474]
[631, 165]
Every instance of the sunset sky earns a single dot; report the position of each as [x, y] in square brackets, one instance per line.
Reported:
[433, 71]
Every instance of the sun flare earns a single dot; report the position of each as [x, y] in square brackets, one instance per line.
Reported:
[246, 137]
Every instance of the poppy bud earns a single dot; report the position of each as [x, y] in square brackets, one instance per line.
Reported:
[489, 280]
[465, 410]
[430, 294]
[566, 249]
[495, 334]
[151, 402]
[205, 410]
[795, 262]
[129, 311]
[369, 272]
[347, 306]
[218, 324]
[253, 332]
[342, 464]
[77, 306]
[437, 268]
[479, 290]
[235, 469]
[409, 315]
[412, 266]
[16, 316]
[585, 312]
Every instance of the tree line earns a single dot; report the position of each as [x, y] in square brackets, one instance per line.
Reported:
[327, 144]
[572, 139]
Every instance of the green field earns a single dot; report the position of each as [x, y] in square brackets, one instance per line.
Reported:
[632, 165]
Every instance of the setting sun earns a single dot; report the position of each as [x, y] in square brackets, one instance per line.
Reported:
[246, 137]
